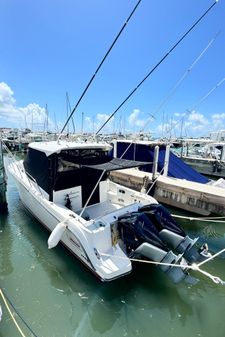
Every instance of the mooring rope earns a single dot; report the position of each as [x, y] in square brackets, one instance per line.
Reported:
[204, 219]
[6, 300]
[212, 257]
[194, 266]
[11, 314]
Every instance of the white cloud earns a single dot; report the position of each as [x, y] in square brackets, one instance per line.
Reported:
[92, 124]
[7, 102]
[196, 123]
[177, 114]
[10, 113]
[134, 119]
[218, 120]
[197, 118]
[102, 118]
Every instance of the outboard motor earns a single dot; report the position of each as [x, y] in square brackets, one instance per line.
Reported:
[171, 233]
[141, 239]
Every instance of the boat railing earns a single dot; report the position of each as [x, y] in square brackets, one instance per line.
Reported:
[12, 159]
[17, 166]
[33, 183]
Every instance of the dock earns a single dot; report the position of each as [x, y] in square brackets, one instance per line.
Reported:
[194, 197]
[3, 202]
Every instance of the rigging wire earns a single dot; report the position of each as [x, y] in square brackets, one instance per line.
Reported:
[99, 66]
[176, 86]
[157, 65]
[70, 109]
[189, 111]
[216, 219]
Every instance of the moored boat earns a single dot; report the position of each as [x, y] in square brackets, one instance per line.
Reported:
[65, 185]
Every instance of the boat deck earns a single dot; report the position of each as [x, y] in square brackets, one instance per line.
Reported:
[101, 209]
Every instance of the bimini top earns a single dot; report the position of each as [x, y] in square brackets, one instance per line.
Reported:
[57, 146]
[116, 164]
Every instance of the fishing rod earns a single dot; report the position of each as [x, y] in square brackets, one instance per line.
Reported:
[178, 83]
[189, 111]
[157, 65]
[99, 66]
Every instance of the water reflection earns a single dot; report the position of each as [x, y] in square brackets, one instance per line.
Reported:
[126, 301]
[102, 305]
[6, 238]
[60, 297]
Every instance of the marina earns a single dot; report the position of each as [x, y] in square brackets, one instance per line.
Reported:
[104, 230]
[104, 224]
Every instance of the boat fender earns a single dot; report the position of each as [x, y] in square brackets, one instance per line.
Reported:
[56, 234]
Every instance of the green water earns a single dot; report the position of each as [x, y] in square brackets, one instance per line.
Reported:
[58, 297]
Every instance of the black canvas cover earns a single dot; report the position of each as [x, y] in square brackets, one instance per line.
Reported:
[116, 164]
[161, 218]
[36, 166]
[136, 228]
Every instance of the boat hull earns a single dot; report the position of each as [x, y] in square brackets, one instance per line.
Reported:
[50, 215]
[209, 167]
[49, 220]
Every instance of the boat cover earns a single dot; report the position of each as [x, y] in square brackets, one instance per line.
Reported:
[177, 167]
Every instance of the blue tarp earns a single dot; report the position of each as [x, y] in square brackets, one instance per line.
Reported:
[177, 168]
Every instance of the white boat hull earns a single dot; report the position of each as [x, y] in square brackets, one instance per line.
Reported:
[44, 215]
[81, 244]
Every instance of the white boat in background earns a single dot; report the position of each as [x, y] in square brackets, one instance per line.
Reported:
[206, 157]
[65, 185]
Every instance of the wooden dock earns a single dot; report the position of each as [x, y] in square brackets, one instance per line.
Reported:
[194, 197]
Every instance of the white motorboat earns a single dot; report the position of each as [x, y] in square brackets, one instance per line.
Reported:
[65, 185]
[205, 156]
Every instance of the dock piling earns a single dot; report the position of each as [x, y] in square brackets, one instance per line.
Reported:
[166, 160]
[3, 202]
[155, 163]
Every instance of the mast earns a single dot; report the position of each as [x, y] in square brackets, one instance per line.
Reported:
[69, 109]
[82, 123]
[45, 128]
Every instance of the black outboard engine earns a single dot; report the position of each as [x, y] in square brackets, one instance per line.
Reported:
[171, 233]
[141, 239]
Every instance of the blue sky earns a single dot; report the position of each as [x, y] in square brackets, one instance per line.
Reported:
[51, 47]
